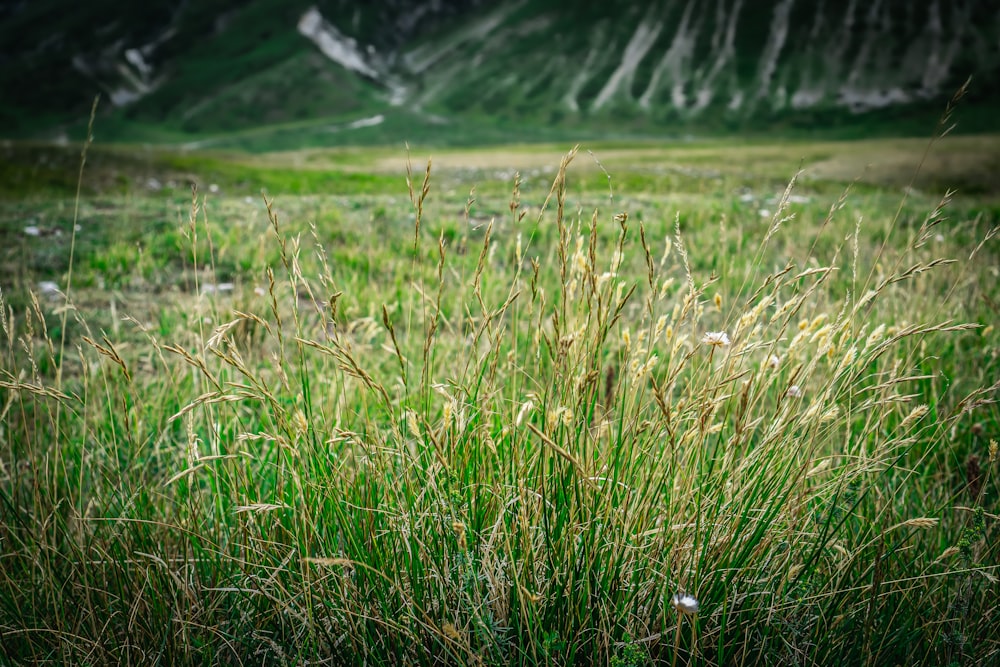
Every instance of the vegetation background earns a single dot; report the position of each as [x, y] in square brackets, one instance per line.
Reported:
[716, 387]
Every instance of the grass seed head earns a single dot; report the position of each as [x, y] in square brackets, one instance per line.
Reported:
[875, 336]
[526, 408]
[915, 415]
[301, 423]
[661, 324]
[459, 529]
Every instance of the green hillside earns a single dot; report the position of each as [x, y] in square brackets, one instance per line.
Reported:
[269, 74]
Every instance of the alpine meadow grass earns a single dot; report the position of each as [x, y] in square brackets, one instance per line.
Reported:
[524, 428]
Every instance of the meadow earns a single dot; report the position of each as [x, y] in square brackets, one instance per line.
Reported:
[706, 402]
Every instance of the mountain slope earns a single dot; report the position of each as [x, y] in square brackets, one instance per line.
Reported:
[685, 57]
[215, 69]
[190, 66]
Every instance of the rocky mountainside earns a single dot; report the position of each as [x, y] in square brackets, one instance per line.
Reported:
[687, 56]
[177, 70]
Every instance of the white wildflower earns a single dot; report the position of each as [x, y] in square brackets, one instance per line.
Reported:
[716, 338]
[685, 603]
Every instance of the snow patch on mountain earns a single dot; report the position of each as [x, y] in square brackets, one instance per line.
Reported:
[126, 75]
[585, 71]
[121, 83]
[674, 64]
[642, 41]
[344, 51]
[805, 98]
[724, 46]
[775, 43]
[335, 45]
[941, 56]
[371, 121]
[134, 58]
[475, 31]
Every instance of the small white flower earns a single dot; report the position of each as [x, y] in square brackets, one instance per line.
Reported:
[774, 361]
[794, 391]
[685, 604]
[716, 338]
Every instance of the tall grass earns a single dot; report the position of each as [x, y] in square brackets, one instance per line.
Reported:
[518, 446]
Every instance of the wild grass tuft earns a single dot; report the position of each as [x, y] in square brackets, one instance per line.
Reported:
[569, 434]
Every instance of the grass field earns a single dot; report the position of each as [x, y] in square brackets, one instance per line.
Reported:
[678, 404]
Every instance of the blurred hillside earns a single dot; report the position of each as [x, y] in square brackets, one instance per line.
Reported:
[290, 73]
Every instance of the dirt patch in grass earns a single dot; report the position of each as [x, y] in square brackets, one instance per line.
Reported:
[968, 164]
